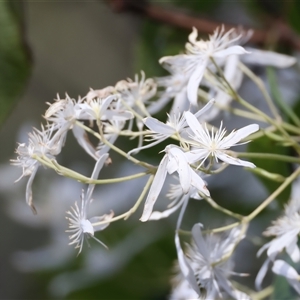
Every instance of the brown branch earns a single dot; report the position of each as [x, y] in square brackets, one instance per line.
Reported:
[278, 30]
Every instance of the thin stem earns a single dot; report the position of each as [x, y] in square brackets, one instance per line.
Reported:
[277, 157]
[262, 88]
[278, 97]
[263, 293]
[151, 168]
[262, 206]
[222, 209]
[81, 178]
[252, 108]
[127, 214]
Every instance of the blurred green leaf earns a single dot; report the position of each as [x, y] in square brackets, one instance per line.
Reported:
[15, 63]
[156, 41]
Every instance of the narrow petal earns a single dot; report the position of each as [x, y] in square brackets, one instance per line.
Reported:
[198, 183]
[199, 240]
[194, 82]
[234, 161]
[98, 166]
[268, 58]
[235, 136]
[106, 217]
[233, 50]
[262, 273]
[29, 189]
[205, 108]
[84, 142]
[183, 168]
[185, 268]
[155, 189]
[193, 123]
[280, 267]
[158, 127]
[156, 215]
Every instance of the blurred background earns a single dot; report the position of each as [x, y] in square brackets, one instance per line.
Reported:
[58, 47]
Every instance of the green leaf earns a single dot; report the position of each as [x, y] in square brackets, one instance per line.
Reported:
[15, 63]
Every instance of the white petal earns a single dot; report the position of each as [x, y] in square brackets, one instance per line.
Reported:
[293, 251]
[29, 188]
[98, 166]
[280, 267]
[234, 161]
[185, 268]
[235, 136]
[205, 108]
[230, 51]
[87, 227]
[155, 189]
[194, 82]
[156, 215]
[193, 123]
[183, 168]
[158, 127]
[83, 141]
[262, 273]
[268, 58]
[106, 217]
[283, 241]
[193, 36]
[198, 183]
[199, 240]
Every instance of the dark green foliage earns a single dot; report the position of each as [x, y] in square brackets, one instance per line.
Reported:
[15, 61]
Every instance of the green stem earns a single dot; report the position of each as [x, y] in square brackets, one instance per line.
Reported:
[277, 124]
[278, 98]
[262, 88]
[79, 177]
[151, 168]
[222, 209]
[277, 157]
[127, 214]
[262, 206]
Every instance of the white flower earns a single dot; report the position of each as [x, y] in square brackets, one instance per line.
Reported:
[282, 268]
[204, 267]
[285, 230]
[104, 109]
[80, 226]
[137, 93]
[40, 144]
[199, 54]
[174, 160]
[178, 198]
[175, 87]
[206, 144]
[63, 115]
[175, 125]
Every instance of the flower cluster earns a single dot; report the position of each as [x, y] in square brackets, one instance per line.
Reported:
[193, 151]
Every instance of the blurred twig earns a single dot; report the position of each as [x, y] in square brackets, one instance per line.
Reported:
[278, 30]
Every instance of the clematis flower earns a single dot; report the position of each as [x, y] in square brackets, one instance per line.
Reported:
[203, 266]
[175, 125]
[174, 160]
[207, 144]
[137, 93]
[198, 56]
[40, 144]
[285, 231]
[178, 198]
[80, 227]
[62, 115]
